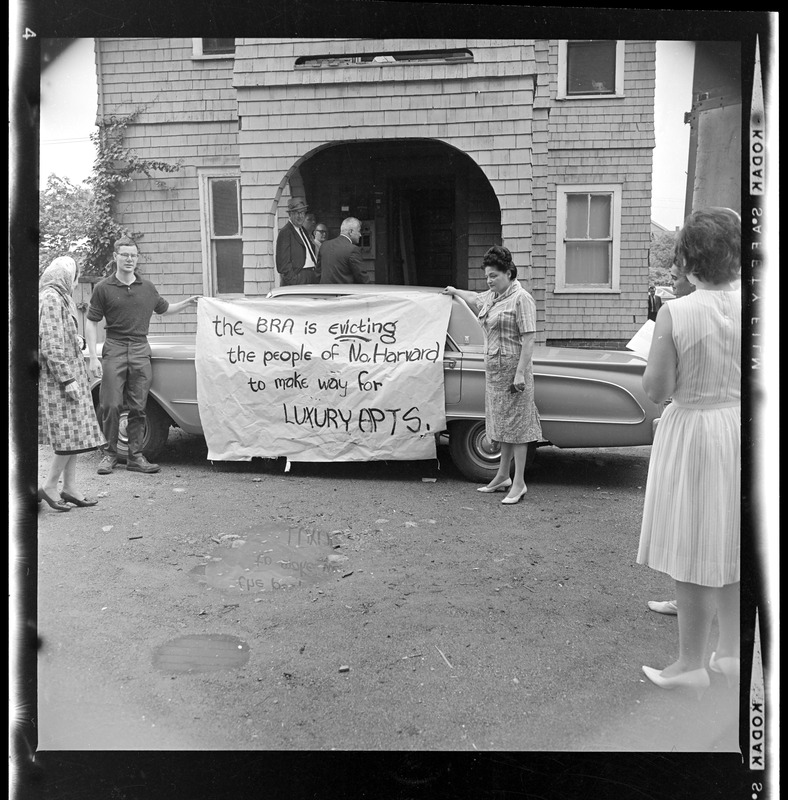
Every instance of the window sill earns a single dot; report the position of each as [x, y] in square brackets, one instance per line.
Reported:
[576, 97]
[587, 290]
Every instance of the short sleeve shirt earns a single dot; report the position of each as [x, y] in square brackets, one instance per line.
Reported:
[126, 310]
[505, 318]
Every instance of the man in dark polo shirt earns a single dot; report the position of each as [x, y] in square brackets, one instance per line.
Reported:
[126, 302]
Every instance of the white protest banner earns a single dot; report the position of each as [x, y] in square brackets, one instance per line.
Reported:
[337, 379]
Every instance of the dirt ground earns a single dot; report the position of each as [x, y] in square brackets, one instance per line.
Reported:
[413, 614]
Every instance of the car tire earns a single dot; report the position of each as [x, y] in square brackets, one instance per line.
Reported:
[157, 430]
[474, 455]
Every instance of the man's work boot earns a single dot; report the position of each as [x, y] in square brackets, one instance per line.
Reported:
[107, 464]
[140, 464]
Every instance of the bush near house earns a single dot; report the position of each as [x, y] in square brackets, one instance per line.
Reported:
[660, 260]
[64, 220]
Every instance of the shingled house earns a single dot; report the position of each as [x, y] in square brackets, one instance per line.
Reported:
[440, 147]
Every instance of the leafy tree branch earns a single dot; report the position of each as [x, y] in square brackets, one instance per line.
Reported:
[82, 221]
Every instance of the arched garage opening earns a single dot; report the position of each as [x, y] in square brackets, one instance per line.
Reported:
[428, 211]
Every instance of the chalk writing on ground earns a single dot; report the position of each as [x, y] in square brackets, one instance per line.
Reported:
[273, 557]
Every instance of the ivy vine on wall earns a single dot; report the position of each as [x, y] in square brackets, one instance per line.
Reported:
[115, 166]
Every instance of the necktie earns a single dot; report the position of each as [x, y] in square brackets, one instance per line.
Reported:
[309, 247]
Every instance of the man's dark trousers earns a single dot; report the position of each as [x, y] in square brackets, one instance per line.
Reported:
[125, 383]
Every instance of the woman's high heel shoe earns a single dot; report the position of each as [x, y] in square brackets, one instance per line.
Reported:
[509, 500]
[696, 679]
[729, 666]
[58, 505]
[498, 487]
[84, 503]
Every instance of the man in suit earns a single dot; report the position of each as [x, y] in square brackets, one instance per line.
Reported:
[321, 231]
[339, 260]
[654, 303]
[295, 250]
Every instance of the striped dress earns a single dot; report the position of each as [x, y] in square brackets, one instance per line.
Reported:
[691, 516]
[510, 417]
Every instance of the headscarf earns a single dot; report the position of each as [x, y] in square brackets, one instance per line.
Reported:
[59, 276]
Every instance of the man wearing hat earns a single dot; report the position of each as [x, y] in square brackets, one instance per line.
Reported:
[295, 250]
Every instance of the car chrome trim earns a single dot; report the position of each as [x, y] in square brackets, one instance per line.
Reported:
[574, 421]
[603, 382]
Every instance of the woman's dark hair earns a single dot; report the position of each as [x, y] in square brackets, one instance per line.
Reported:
[500, 259]
[709, 245]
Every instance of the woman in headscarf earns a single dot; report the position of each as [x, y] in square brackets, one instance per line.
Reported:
[66, 419]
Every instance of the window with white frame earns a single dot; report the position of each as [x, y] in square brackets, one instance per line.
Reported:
[213, 48]
[588, 225]
[220, 200]
[589, 68]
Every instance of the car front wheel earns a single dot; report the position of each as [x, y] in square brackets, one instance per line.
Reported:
[474, 454]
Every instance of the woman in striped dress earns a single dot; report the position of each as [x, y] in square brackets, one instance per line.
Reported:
[691, 516]
[66, 419]
[508, 316]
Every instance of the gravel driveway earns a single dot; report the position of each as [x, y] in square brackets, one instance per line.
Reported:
[413, 614]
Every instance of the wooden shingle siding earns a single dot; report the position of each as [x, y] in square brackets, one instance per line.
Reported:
[260, 114]
[604, 141]
[187, 110]
[468, 106]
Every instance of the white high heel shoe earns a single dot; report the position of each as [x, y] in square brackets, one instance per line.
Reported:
[696, 679]
[729, 666]
[508, 501]
[498, 487]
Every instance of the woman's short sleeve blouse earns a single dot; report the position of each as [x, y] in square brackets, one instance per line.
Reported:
[506, 318]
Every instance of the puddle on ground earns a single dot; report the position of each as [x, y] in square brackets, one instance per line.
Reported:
[201, 652]
[270, 558]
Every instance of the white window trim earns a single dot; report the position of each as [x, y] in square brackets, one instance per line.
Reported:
[198, 53]
[560, 228]
[561, 93]
[204, 176]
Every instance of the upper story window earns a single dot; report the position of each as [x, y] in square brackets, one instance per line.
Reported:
[588, 225]
[590, 68]
[213, 48]
[401, 57]
[220, 201]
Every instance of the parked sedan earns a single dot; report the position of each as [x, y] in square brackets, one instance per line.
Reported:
[586, 398]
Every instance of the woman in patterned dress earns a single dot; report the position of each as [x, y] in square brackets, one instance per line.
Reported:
[66, 419]
[508, 316]
[691, 516]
